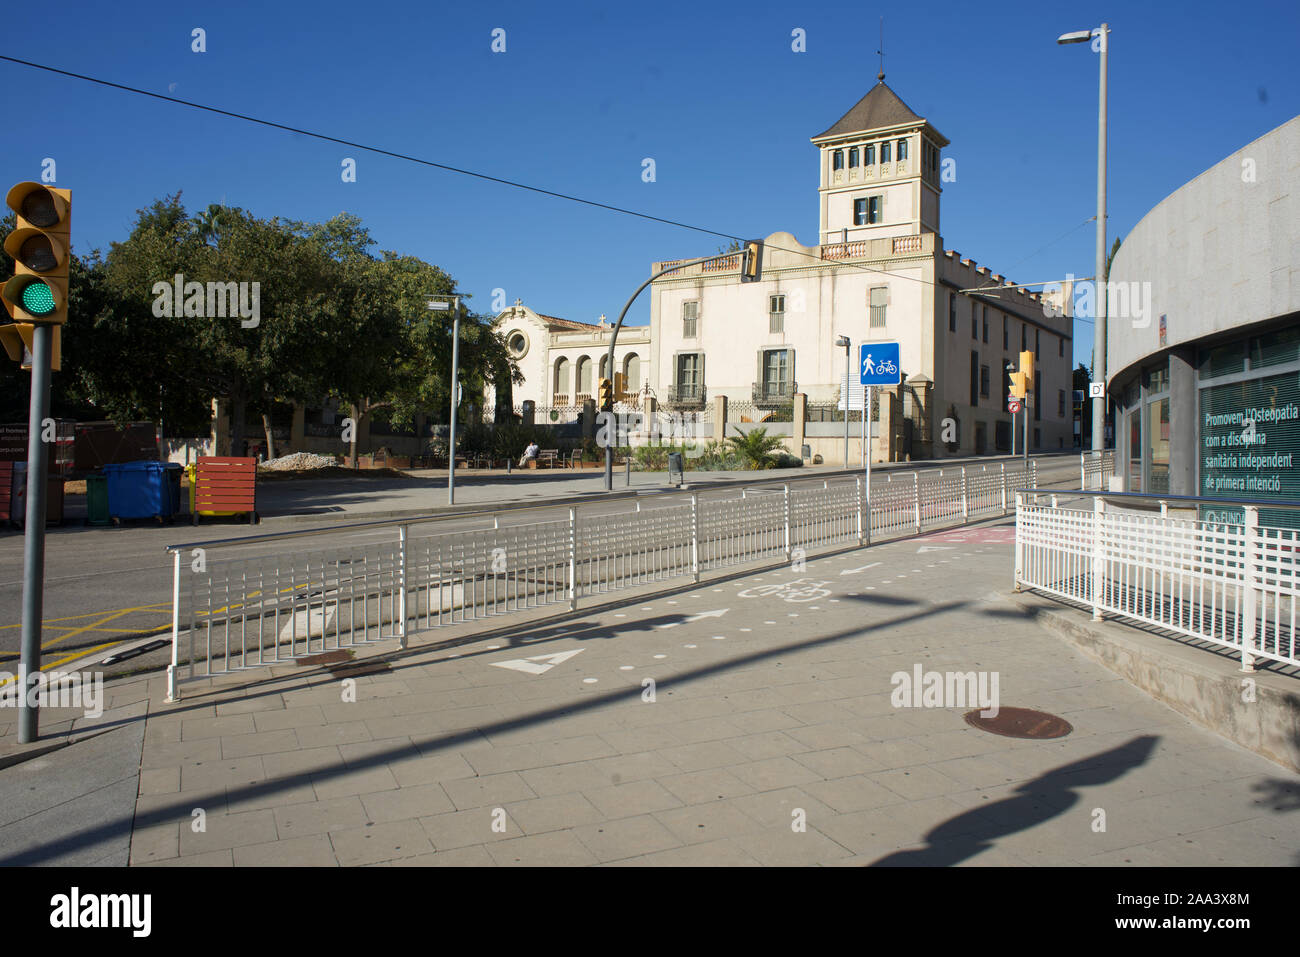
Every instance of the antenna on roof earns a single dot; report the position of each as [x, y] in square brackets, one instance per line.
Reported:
[881, 75]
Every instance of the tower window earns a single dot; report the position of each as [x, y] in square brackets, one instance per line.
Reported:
[952, 312]
[869, 152]
[837, 159]
[902, 150]
[984, 382]
[884, 152]
[866, 211]
[853, 158]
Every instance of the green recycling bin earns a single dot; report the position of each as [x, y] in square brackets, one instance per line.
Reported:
[97, 500]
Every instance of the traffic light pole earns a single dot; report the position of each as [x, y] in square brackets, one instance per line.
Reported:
[34, 537]
[613, 339]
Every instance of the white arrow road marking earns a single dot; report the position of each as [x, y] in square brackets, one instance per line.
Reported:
[699, 617]
[935, 548]
[533, 665]
[308, 622]
[854, 571]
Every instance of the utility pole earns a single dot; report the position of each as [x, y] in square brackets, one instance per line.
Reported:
[439, 305]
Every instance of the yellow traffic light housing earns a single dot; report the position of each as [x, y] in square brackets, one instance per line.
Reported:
[16, 338]
[40, 247]
[751, 268]
[1027, 365]
[1019, 384]
[606, 395]
[620, 384]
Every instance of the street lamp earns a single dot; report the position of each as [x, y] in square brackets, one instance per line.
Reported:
[439, 305]
[846, 343]
[1101, 34]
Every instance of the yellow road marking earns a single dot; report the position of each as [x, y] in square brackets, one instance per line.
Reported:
[50, 666]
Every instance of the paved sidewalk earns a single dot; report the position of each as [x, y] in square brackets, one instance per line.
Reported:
[773, 711]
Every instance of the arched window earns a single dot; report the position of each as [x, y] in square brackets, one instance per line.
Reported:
[632, 372]
[604, 366]
[584, 376]
[562, 393]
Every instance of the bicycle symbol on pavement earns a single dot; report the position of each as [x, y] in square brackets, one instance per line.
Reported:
[801, 589]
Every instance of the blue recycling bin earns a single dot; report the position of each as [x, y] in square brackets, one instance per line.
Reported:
[143, 490]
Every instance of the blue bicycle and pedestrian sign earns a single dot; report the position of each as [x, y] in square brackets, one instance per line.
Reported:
[879, 363]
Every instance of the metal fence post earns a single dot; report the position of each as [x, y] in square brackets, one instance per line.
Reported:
[401, 585]
[573, 558]
[1033, 472]
[176, 627]
[1251, 555]
[695, 537]
[857, 485]
[1020, 541]
[1098, 556]
[965, 504]
[1083, 471]
[1004, 487]
[786, 509]
[916, 500]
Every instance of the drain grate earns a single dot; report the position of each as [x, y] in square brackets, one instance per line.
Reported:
[1021, 723]
[324, 658]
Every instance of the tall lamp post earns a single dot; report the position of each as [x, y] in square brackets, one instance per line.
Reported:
[847, 344]
[1102, 34]
[441, 305]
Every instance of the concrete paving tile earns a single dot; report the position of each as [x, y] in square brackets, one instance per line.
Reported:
[632, 798]
[766, 744]
[302, 761]
[981, 771]
[699, 757]
[319, 817]
[879, 831]
[720, 853]
[430, 769]
[836, 762]
[854, 793]
[219, 858]
[259, 742]
[169, 754]
[197, 729]
[544, 754]
[776, 809]
[768, 719]
[405, 803]
[634, 740]
[493, 789]
[222, 773]
[706, 822]
[474, 827]
[473, 856]
[371, 753]
[553, 849]
[308, 716]
[774, 773]
[696, 787]
[313, 851]
[251, 704]
[559, 811]
[332, 784]
[325, 735]
[379, 842]
[625, 838]
[784, 847]
[156, 843]
[228, 830]
[896, 753]
[160, 781]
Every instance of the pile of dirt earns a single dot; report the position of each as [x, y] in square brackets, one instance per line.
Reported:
[299, 462]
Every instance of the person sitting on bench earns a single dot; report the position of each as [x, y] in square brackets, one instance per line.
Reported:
[530, 454]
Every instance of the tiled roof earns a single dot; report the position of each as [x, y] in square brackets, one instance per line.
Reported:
[880, 108]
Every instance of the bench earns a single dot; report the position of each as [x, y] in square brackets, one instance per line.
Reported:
[225, 484]
[547, 456]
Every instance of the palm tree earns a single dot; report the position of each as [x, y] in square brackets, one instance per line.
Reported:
[757, 447]
[207, 224]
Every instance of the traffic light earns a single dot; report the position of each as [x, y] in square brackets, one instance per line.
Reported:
[751, 269]
[39, 245]
[620, 384]
[606, 395]
[16, 337]
[1019, 384]
[1027, 365]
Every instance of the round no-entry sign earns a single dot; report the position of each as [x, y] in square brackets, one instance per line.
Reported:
[1013, 406]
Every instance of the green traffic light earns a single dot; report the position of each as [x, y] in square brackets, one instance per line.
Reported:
[38, 299]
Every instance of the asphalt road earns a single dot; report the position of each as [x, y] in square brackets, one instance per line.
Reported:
[109, 586]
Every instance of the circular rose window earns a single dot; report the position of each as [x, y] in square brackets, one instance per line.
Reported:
[517, 342]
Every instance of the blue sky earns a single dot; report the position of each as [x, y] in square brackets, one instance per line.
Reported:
[585, 91]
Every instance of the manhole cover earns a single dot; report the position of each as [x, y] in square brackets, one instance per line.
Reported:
[1021, 723]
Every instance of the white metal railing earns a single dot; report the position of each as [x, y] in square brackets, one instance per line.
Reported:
[1233, 585]
[1095, 470]
[243, 611]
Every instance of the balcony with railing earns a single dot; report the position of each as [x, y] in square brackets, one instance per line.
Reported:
[685, 395]
[771, 395]
[879, 248]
